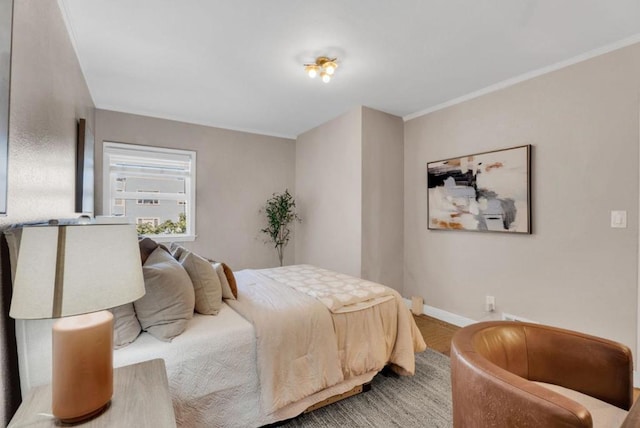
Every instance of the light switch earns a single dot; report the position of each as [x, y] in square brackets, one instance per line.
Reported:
[619, 219]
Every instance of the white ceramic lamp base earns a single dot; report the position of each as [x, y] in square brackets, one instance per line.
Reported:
[82, 378]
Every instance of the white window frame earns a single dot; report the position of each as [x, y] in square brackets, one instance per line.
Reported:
[148, 201]
[114, 151]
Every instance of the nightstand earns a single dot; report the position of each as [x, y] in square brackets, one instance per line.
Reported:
[140, 399]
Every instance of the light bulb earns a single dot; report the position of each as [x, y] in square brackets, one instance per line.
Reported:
[325, 77]
[311, 70]
[330, 67]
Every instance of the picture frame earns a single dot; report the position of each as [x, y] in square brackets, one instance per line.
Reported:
[84, 198]
[482, 192]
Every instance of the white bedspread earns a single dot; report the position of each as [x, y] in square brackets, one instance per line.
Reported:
[337, 291]
[211, 370]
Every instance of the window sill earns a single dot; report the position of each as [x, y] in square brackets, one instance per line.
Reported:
[171, 238]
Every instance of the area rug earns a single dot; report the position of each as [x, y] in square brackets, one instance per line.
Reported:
[423, 400]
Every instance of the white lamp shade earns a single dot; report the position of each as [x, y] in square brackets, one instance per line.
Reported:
[76, 269]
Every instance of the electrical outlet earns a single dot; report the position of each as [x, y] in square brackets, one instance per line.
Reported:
[489, 303]
[619, 219]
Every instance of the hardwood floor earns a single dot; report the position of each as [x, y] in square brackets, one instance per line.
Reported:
[436, 333]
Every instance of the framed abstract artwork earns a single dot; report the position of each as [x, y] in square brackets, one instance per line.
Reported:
[484, 192]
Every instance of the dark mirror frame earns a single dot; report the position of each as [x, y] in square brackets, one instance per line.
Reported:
[6, 21]
[84, 168]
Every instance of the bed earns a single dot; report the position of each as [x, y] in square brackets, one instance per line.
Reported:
[294, 337]
[278, 351]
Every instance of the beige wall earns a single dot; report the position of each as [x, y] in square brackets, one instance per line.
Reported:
[48, 95]
[574, 271]
[349, 187]
[382, 198]
[328, 194]
[236, 173]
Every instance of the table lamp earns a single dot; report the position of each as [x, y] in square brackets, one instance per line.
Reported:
[75, 272]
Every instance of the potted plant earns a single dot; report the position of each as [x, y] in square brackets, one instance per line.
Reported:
[280, 213]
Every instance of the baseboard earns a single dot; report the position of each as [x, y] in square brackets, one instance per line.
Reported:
[443, 315]
[461, 321]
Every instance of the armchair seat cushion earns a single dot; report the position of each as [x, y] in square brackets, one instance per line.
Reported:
[603, 414]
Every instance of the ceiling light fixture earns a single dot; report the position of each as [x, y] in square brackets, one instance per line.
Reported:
[324, 66]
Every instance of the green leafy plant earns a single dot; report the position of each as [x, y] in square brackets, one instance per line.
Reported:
[166, 227]
[280, 211]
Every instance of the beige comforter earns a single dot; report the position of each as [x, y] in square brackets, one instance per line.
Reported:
[303, 348]
[296, 346]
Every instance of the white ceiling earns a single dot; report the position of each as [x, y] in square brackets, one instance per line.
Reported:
[237, 64]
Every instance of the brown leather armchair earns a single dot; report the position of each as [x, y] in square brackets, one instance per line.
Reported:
[494, 366]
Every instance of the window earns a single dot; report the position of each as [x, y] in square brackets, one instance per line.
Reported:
[153, 186]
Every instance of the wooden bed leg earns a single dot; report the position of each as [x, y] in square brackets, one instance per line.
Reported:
[387, 371]
[334, 399]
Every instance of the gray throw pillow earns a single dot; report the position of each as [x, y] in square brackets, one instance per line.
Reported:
[167, 306]
[126, 326]
[176, 250]
[206, 284]
[147, 246]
